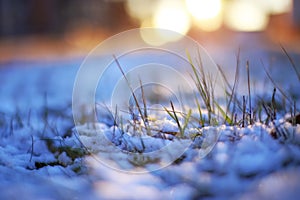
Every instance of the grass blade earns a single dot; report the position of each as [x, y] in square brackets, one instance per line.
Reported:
[132, 92]
[249, 91]
[291, 61]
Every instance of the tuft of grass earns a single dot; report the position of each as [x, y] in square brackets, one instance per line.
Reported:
[203, 85]
[231, 93]
[143, 116]
[232, 102]
[233, 111]
[174, 116]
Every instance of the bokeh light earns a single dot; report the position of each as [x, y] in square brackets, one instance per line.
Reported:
[169, 15]
[242, 15]
[275, 7]
[208, 25]
[204, 9]
[206, 14]
[151, 37]
[141, 10]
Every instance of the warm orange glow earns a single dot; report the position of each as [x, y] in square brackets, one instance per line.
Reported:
[209, 25]
[245, 16]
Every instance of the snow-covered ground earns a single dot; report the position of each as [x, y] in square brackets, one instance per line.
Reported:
[43, 156]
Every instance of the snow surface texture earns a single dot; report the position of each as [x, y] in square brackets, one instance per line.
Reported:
[242, 159]
[42, 158]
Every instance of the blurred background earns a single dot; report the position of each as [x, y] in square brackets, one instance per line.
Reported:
[36, 29]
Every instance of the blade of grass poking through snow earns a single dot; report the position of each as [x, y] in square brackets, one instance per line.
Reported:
[235, 84]
[291, 61]
[207, 86]
[224, 77]
[116, 115]
[115, 120]
[224, 114]
[201, 120]
[230, 93]
[144, 101]
[174, 116]
[201, 84]
[249, 90]
[212, 85]
[145, 108]
[170, 114]
[132, 92]
[186, 122]
[244, 111]
[273, 105]
[275, 85]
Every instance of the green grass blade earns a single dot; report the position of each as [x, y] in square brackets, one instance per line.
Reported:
[224, 114]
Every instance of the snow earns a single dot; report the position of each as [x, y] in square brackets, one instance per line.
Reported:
[43, 155]
[229, 168]
[280, 185]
